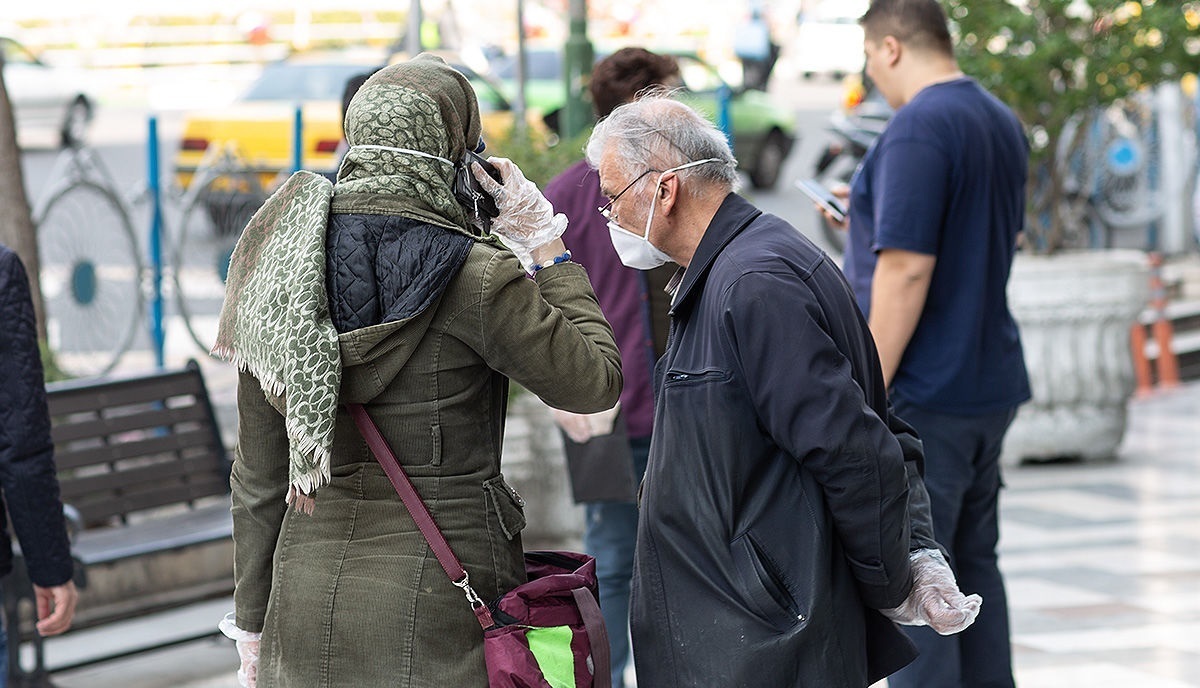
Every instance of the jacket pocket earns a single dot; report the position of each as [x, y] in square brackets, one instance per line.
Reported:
[762, 585]
[435, 436]
[507, 505]
[697, 377]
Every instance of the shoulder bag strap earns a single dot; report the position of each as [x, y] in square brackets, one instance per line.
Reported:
[419, 512]
[593, 621]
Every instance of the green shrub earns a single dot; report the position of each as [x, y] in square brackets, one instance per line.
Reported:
[1058, 63]
[50, 370]
[540, 155]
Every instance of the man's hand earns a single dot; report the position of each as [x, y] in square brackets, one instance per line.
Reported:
[55, 607]
[842, 193]
[935, 599]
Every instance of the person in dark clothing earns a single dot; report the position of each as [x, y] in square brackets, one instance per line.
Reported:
[935, 211]
[783, 520]
[606, 452]
[27, 475]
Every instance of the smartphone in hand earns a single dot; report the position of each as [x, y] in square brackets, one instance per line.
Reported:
[470, 193]
[823, 197]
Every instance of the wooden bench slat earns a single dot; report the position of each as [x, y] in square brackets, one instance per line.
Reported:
[132, 477]
[68, 458]
[76, 427]
[108, 506]
[77, 396]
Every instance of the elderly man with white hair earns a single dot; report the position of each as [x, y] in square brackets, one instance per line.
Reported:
[784, 525]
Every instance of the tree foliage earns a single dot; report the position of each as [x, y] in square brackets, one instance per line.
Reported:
[1060, 62]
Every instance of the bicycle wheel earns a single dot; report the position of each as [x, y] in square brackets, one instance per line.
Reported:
[208, 230]
[90, 277]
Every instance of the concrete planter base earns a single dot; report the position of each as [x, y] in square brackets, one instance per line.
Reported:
[1075, 312]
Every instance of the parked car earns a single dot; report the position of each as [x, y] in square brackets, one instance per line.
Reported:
[45, 97]
[829, 40]
[763, 133]
[258, 128]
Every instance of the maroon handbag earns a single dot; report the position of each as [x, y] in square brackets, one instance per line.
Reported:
[546, 633]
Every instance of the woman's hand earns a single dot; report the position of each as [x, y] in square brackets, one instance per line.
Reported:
[527, 221]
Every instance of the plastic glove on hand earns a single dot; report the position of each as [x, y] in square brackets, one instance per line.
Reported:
[247, 646]
[935, 599]
[527, 220]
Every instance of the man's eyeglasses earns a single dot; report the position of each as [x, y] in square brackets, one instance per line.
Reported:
[606, 209]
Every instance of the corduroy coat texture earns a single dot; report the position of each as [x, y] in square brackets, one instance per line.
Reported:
[351, 595]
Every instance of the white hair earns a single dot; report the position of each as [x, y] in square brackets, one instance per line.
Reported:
[656, 132]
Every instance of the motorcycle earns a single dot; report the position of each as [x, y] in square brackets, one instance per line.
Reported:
[854, 127]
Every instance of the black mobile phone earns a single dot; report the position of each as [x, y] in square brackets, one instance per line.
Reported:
[823, 197]
[470, 193]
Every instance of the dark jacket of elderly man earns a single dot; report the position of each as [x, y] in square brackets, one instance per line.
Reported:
[774, 509]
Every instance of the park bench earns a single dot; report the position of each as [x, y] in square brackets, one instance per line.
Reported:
[145, 484]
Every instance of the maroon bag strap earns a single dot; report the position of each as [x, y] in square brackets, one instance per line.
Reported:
[419, 512]
[597, 632]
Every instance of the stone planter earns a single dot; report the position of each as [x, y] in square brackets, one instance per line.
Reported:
[1075, 312]
[534, 464]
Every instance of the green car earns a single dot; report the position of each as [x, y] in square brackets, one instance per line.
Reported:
[763, 133]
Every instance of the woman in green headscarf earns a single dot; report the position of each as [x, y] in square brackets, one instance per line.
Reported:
[379, 290]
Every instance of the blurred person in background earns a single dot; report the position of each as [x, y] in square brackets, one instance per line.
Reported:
[757, 51]
[380, 290]
[606, 452]
[935, 210]
[27, 475]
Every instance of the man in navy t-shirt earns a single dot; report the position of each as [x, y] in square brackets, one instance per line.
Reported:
[935, 211]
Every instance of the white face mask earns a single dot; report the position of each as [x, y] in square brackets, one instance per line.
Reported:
[406, 151]
[636, 251]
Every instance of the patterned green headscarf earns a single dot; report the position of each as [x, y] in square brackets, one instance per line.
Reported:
[421, 105]
[275, 321]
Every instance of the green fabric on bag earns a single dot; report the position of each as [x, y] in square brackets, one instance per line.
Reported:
[551, 647]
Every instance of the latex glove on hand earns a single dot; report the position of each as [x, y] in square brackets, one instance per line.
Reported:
[247, 647]
[935, 599]
[527, 220]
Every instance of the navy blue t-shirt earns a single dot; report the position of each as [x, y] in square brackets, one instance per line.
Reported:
[947, 178]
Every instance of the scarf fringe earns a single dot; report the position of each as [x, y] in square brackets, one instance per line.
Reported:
[300, 491]
[269, 382]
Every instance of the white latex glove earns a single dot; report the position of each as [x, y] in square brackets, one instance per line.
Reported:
[581, 427]
[527, 220]
[247, 647]
[935, 599]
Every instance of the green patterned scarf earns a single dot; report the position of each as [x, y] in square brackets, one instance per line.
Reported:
[275, 321]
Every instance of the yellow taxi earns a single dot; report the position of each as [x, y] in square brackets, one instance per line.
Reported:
[256, 133]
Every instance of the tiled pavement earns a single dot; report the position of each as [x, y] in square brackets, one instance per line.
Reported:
[1102, 562]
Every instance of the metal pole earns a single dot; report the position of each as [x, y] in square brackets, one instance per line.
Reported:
[157, 335]
[519, 103]
[414, 28]
[1174, 174]
[577, 67]
[298, 138]
[724, 120]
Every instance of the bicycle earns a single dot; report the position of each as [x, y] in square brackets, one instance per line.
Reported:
[96, 283]
[91, 280]
[221, 198]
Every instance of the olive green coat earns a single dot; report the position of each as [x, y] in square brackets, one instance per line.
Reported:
[351, 595]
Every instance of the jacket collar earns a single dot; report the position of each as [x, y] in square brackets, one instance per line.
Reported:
[732, 217]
